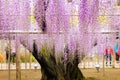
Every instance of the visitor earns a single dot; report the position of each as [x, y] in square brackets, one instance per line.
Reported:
[13, 55]
[108, 55]
[7, 53]
[1, 57]
[116, 52]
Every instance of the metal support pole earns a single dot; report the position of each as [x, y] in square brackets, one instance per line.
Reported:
[30, 61]
[25, 58]
[9, 57]
[18, 70]
[103, 65]
[9, 66]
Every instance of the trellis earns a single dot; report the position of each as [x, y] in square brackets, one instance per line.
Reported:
[58, 23]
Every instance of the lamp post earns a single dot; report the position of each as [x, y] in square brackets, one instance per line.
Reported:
[97, 66]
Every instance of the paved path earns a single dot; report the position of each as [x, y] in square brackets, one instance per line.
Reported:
[4, 66]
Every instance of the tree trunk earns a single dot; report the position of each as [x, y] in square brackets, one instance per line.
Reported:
[61, 70]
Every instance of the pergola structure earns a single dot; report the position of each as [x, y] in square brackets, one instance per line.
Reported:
[73, 23]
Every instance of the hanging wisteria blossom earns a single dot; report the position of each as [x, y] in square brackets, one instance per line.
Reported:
[61, 32]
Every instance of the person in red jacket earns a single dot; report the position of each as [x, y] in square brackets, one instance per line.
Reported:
[108, 55]
[118, 53]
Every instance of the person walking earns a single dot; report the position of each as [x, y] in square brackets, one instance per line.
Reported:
[116, 47]
[108, 55]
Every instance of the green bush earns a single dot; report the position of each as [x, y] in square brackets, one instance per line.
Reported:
[27, 58]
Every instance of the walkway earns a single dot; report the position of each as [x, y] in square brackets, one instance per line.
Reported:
[4, 66]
